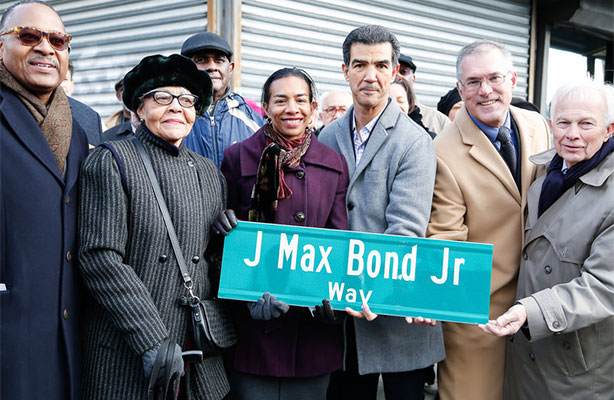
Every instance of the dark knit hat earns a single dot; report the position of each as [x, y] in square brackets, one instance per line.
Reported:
[205, 41]
[158, 71]
[448, 100]
[407, 60]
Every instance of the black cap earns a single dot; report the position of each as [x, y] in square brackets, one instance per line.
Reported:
[175, 70]
[407, 60]
[205, 41]
[448, 100]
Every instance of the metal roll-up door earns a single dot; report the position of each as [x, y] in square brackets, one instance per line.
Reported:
[112, 36]
[309, 34]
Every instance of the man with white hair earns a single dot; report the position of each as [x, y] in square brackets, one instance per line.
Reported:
[483, 174]
[565, 298]
[334, 105]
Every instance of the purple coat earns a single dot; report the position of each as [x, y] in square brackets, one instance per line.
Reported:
[294, 345]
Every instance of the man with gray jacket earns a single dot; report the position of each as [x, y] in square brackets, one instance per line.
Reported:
[392, 166]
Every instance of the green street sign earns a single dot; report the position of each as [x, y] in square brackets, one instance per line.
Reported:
[394, 275]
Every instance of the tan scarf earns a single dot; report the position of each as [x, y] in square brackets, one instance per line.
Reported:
[55, 121]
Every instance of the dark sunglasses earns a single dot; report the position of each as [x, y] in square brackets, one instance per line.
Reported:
[29, 36]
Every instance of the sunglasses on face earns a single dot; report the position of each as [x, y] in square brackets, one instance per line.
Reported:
[29, 36]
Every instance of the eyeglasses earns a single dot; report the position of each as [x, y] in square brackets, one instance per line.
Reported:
[165, 98]
[29, 36]
[494, 80]
[332, 110]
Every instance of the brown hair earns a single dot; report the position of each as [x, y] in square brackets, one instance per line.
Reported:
[411, 98]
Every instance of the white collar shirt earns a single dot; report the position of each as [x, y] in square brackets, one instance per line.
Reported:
[361, 138]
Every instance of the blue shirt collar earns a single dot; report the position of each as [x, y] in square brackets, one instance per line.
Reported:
[489, 131]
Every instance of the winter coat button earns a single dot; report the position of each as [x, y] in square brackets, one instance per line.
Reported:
[566, 345]
[163, 258]
[532, 356]
[195, 259]
[190, 163]
[350, 206]
[67, 199]
[556, 324]
[300, 174]
[299, 216]
[525, 256]
[547, 269]
[68, 256]
[65, 314]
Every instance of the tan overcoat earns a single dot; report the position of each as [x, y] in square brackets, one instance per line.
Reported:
[477, 200]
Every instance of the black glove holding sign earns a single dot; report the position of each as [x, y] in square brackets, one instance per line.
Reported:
[325, 313]
[267, 307]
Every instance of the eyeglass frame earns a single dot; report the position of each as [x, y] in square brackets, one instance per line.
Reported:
[44, 34]
[335, 110]
[480, 81]
[153, 92]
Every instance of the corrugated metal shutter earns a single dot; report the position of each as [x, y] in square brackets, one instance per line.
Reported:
[309, 34]
[112, 36]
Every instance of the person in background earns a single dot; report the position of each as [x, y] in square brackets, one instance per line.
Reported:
[562, 325]
[68, 84]
[122, 131]
[432, 119]
[403, 94]
[229, 119]
[89, 119]
[392, 171]
[125, 253]
[450, 103]
[41, 149]
[333, 105]
[483, 175]
[285, 353]
[120, 116]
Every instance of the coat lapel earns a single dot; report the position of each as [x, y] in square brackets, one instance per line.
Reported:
[28, 132]
[483, 151]
[344, 140]
[376, 139]
[527, 148]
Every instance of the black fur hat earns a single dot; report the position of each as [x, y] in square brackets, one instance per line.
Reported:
[158, 71]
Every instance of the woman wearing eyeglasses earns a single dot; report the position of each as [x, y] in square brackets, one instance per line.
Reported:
[284, 175]
[126, 256]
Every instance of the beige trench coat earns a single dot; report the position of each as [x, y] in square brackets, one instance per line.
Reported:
[566, 283]
[477, 200]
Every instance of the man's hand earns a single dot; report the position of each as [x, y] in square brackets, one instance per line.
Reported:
[508, 323]
[366, 313]
[421, 321]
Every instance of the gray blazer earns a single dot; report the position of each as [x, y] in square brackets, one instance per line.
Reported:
[390, 191]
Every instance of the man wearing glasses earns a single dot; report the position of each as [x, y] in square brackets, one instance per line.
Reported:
[41, 148]
[229, 119]
[483, 173]
[334, 105]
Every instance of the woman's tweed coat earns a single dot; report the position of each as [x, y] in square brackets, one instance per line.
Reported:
[129, 267]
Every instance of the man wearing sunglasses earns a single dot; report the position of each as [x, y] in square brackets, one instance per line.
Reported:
[483, 174]
[229, 119]
[41, 148]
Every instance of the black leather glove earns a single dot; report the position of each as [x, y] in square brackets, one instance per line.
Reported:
[150, 356]
[267, 307]
[325, 313]
[225, 222]
[163, 366]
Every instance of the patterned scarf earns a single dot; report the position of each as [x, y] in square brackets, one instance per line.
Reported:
[54, 120]
[270, 185]
[556, 182]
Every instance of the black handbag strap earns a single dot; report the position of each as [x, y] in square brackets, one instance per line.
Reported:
[165, 214]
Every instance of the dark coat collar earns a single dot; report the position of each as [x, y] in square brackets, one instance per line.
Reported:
[317, 154]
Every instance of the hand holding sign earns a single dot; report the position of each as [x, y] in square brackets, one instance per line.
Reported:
[226, 221]
[508, 323]
[267, 307]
